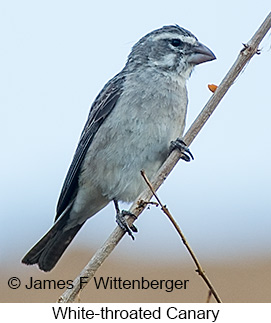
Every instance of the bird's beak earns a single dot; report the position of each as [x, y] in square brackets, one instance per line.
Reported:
[201, 54]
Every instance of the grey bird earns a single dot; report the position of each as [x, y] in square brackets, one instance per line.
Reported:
[133, 124]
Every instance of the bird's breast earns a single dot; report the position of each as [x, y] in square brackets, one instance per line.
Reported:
[135, 136]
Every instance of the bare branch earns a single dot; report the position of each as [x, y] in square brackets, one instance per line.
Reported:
[249, 50]
[209, 296]
[103, 252]
[199, 270]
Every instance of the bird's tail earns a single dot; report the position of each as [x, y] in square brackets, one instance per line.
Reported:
[51, 246]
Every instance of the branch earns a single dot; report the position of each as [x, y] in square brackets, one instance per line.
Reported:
[103, 252]
[199, 270]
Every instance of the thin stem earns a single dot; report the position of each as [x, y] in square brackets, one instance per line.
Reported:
[199, 270]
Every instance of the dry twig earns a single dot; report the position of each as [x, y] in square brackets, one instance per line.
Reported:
[103, 252]
[209, 296]
[199, 270]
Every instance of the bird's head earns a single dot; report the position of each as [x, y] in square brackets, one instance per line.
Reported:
[169, 49]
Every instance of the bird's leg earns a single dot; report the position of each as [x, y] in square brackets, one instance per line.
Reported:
[122, 222]
[180, 144]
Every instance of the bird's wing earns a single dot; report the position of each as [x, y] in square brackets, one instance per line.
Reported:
[100, 109]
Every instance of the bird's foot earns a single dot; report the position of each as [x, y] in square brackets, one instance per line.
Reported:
[180, 144]
[122, 222]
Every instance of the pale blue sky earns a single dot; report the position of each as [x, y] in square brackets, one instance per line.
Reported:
[55, 58]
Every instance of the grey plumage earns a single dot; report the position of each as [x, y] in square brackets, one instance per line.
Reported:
[130, 126]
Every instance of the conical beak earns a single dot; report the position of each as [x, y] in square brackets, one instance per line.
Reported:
[201, 54]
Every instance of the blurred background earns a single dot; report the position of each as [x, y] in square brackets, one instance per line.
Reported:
[55, 58]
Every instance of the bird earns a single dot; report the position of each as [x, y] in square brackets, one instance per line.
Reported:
[134, 123]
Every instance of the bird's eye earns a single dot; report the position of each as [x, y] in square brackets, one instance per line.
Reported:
[176, 42]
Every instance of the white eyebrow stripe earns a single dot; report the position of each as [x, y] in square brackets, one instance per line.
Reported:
[186, 39]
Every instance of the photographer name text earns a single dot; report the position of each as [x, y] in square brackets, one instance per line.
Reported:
[106, 283]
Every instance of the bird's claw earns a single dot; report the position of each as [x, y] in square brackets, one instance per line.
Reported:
[180, 144]
[122, 222]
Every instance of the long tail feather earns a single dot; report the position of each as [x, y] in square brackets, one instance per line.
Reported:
[51, 246]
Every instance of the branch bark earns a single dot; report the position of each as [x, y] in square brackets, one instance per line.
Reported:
[249, 50]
